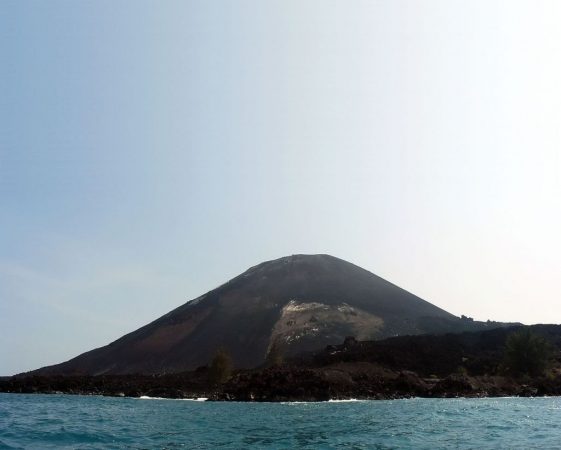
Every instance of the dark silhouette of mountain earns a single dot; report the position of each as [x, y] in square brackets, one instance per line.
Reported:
[297, 304]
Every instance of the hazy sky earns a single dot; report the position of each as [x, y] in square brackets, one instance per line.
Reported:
[149, 151]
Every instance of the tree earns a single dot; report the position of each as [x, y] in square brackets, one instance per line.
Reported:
[275, 355]
[220, 368]
[526, 353]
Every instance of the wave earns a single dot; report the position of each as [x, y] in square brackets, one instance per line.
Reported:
[333, 400]
[198, 399]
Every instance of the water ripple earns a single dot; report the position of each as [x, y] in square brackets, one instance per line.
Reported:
[58, 421]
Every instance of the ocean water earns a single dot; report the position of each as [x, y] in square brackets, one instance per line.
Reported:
[63, 421]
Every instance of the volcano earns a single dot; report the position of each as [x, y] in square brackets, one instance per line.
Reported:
[297, 303]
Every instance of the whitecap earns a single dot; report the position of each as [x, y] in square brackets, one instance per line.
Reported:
[198, 399]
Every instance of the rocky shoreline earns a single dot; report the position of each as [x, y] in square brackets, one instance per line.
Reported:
[452, 365]
[366, 383]
[362, 382]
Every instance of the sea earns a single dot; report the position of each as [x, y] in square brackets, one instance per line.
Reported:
[91, 422]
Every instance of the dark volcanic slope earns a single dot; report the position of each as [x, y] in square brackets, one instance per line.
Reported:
[301, 302]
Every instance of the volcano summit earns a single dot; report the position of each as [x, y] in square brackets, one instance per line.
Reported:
[298, 303]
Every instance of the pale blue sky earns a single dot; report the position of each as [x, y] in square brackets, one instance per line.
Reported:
[150, 151]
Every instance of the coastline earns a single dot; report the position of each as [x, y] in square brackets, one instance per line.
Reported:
[289, 385]
[470, 365]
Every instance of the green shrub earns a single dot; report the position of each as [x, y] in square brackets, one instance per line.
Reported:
[275, 355]
[526, 353]
[220, 368]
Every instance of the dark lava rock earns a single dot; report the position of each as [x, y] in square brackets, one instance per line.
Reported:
[455, 385]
